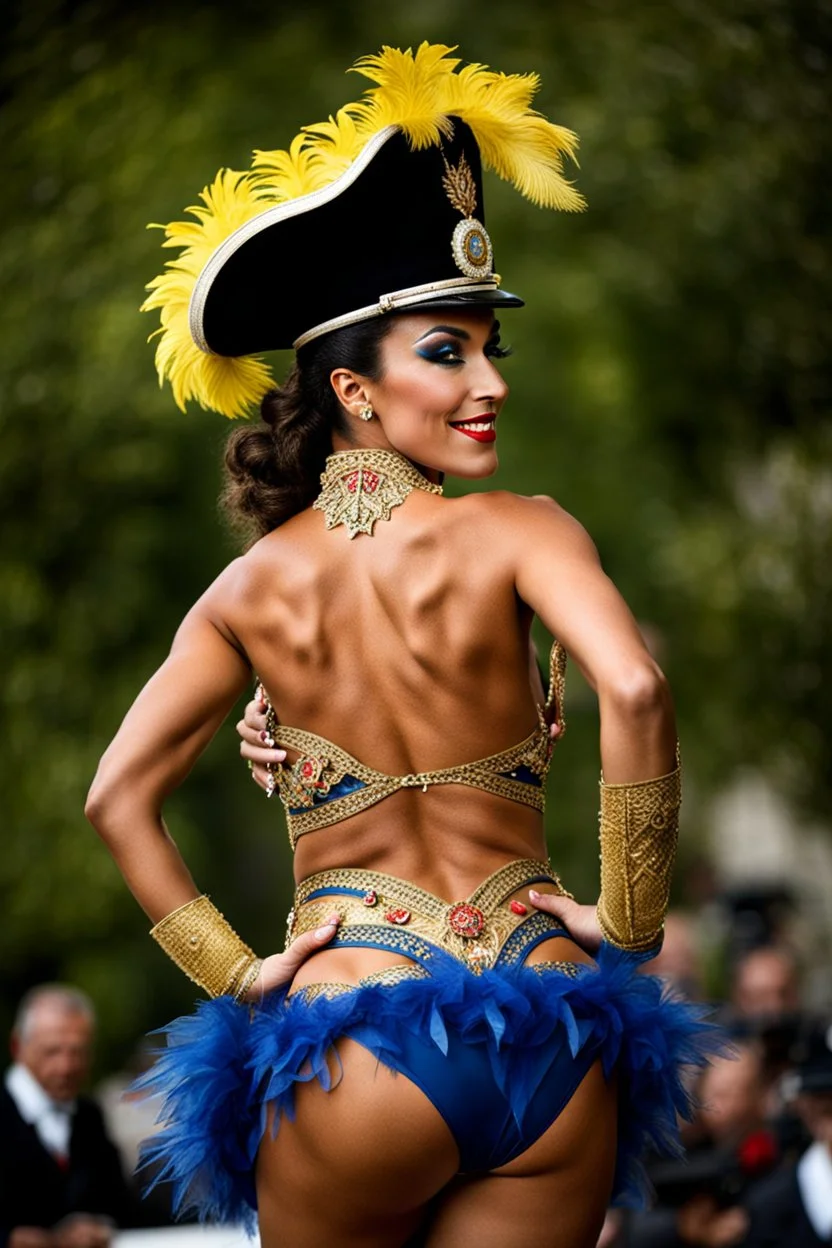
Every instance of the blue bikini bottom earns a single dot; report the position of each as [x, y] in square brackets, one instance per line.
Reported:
[497, 1045]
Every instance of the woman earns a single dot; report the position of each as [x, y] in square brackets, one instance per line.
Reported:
[454, 1059]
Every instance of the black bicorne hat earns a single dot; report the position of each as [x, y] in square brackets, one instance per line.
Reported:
[398, 229]
[375, 210]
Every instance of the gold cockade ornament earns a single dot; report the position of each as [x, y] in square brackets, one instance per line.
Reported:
[363, 486]
[470, 244]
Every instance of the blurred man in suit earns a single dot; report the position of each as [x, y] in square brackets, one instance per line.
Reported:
[794, 1206]
[61, 1183]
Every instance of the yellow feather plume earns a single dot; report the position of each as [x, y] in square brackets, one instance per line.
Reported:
[418, 92]
[334, 144]
[408, 93]
[288, 175]
[223, 384]
[517, 142]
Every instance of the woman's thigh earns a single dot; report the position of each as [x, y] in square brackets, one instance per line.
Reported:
[357, 1165]
[554, 1194]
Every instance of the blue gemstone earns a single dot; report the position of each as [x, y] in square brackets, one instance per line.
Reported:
[476, 246]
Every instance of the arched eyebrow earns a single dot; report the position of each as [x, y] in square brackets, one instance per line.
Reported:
[455, 331]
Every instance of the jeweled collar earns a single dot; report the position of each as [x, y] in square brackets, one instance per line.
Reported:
[362, 486]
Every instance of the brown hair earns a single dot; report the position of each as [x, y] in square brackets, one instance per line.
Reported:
[272, 469]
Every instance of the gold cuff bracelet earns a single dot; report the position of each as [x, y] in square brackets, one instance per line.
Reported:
[639, 827]
[205, 946]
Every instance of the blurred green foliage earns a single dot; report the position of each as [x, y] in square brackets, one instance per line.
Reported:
[670, 387]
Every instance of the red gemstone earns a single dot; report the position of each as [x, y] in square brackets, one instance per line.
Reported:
[370, 897]
[369, 481]
[466, 920]
[517, 907]
[398, 915]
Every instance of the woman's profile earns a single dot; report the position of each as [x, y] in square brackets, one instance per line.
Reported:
[450, 1045]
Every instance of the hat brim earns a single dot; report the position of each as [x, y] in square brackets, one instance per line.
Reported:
[378, 239]
[477, 298]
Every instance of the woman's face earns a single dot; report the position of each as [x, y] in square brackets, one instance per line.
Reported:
[440, 395]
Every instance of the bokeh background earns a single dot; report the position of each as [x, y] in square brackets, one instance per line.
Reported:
[670, 386]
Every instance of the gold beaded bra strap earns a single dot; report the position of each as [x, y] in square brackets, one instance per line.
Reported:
[326, 784]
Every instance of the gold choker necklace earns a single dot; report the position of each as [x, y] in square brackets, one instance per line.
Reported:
[360, 487]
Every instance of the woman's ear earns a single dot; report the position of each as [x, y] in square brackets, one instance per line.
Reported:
[349, 389]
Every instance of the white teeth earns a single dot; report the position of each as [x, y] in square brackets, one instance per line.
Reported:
[479, 426]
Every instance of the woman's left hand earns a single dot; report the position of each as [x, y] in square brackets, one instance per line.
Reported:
[256, 744]
[280, 968]
[580, 921]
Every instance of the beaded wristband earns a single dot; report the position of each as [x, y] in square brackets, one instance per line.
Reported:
[205, 946]
[639, 827]
[249, 979]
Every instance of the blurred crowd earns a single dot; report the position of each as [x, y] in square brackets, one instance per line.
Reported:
[758, 1168]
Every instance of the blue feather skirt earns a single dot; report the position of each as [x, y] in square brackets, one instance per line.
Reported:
[225, 1066]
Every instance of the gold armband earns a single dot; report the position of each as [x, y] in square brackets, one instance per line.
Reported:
[205, 946]
[639, 827]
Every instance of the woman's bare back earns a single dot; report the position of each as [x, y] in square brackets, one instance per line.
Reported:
[409, 649]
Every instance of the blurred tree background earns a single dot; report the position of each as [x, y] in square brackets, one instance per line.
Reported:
[670, 387]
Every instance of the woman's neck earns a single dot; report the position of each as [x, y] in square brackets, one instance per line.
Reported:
[376, 441]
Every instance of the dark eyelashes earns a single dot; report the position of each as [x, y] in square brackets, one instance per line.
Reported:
[447, 354]
[440, 355]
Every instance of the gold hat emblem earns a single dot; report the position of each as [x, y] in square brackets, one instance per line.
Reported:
[470, 244]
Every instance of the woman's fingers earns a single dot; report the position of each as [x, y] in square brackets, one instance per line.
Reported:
[309, 943]
[254, 729]
[553, 903]
[257, 746]
[255, 712]
[281, 968]
[580, 921]
[262, 777]
[261, 755]
[248, 733]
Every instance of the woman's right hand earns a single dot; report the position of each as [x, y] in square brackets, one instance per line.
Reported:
[256, 745]
[580, 921]
[280, 968]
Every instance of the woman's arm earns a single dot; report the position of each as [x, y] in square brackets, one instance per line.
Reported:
[559, 575]
[166, 729]
[163, 733]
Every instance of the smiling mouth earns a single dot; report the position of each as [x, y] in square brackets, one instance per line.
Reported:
[480, 428]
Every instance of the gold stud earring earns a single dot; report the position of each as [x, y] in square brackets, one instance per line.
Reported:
[366, 412]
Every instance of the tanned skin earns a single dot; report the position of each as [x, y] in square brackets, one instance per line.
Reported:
[410, 649]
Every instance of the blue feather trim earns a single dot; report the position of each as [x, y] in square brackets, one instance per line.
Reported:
[225, 1065]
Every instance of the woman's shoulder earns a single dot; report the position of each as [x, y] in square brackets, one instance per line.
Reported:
[523, 525]
[242, 579]
[506, 507]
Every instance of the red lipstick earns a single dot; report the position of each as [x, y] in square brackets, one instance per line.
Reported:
[480, 428]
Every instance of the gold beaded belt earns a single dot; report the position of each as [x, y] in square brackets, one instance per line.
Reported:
[381, 910]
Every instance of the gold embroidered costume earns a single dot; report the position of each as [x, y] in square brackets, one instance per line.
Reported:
[498, 1045]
